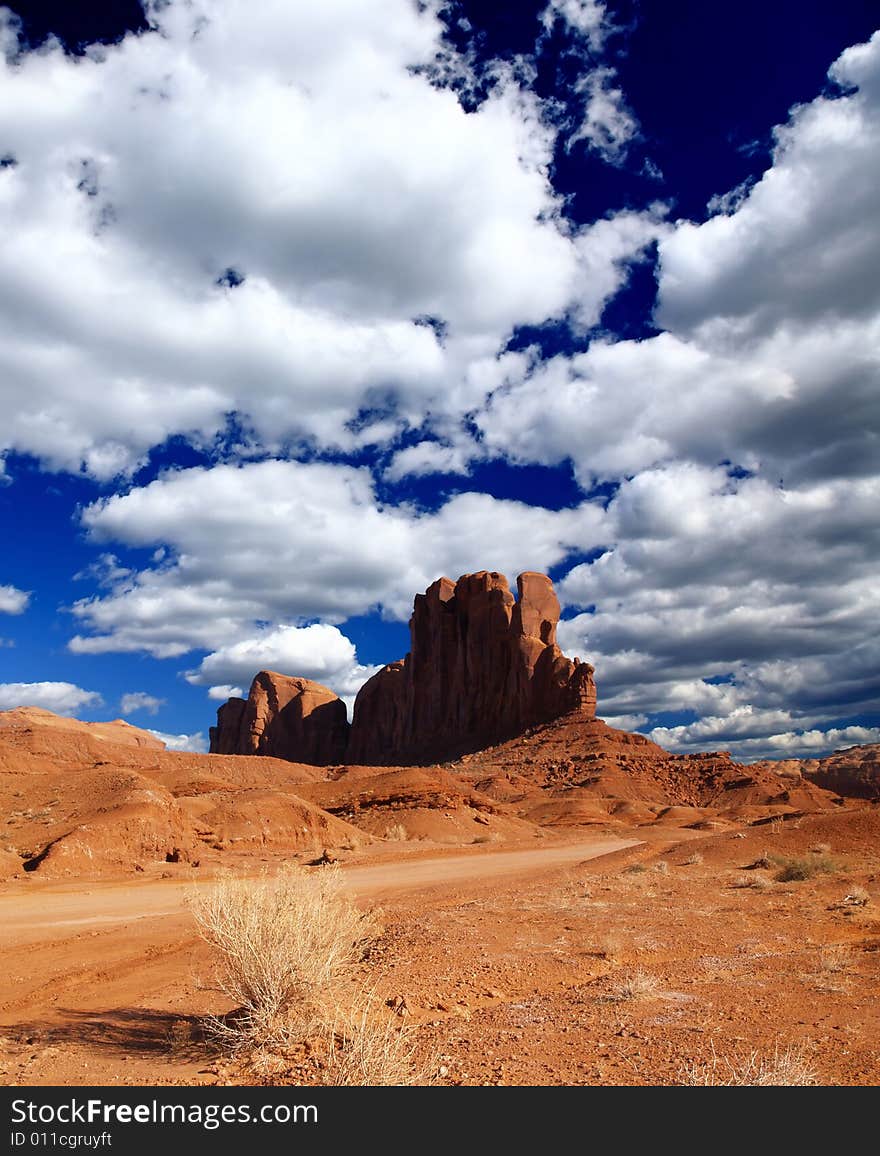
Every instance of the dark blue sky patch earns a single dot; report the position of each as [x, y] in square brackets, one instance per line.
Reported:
[381, 405]
[77, 25]
[42, 554]
[573, 611]
[175, 453]
[668, 718]
[31, 546]
[629, 313]
[709, 81]
[552, 339]
[377, 645]
[437, 324]
[577, 558]
[230, 278]
[554, 488]
[720, 680]
[735, 471]
[869, 718]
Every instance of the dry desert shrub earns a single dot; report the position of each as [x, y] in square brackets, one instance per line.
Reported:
[370, 1049]
[836, 957]
[638, 985]
[285, 942]
[180, 1038]
[784, 1068]
[397, 833]
[755, 882]
[796, 870]
[694, 859]
[820, 848]
[662, 868]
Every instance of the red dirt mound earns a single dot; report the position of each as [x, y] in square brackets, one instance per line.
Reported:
[79, 802]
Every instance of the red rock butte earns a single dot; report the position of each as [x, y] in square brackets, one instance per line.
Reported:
[284, 718]
[483, 667]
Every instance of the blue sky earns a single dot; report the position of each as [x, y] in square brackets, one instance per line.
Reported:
[302, 306]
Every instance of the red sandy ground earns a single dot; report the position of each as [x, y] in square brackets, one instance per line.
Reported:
[510, 976]
[505, 942]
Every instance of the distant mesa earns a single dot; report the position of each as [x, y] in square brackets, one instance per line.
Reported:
[853, 772]
[483, 667]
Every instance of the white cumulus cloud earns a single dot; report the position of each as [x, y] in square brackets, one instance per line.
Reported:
[196, 743]
[140, 700]
[319, 652]
[12, 600]
[585, 18]
[255, 209]
[63, 698]
[608, 124]
[224, 691]
[770, 357]
[791, 744]
[311, 541]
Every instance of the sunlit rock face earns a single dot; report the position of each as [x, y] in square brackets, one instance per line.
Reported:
[482, 667]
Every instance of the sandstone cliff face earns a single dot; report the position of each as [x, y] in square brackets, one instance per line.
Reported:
[482, 668]
[853, 772]
[285, 718]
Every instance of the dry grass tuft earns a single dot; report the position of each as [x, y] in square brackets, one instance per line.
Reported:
[636, 986]
[694, 859]
[836, 957]
[610, 945]
[397, 833]
[788, 1068]
[284, 942]
[755, 882]
[370, 1049]
[796, 870]
[181, 1038]
[288, 946]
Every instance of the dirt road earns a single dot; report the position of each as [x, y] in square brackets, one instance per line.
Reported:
[28, 916]
[98, 976]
